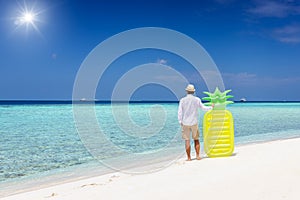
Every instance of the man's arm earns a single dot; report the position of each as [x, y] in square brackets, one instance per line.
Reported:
[180, 112]
[203, 107]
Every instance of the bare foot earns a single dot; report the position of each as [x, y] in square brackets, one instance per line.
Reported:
[189, 159]
[198, 158]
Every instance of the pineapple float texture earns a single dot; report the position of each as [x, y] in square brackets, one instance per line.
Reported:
[218, 129]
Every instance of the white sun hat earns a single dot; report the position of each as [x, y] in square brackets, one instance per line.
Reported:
[190, 88]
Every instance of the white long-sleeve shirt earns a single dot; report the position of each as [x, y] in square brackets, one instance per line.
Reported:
[188, 110]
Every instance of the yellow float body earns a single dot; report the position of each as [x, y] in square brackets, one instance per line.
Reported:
[218, 133]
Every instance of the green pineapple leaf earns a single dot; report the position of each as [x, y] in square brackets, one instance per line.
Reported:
[229, 96]
[208, 103]
[208, 93]
[218, 98]
[229, 102]
[227, 91]
[206, 98]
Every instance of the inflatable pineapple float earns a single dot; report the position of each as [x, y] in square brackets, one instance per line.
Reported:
[218, 130]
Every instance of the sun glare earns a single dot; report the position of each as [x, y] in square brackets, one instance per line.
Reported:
[28, 17]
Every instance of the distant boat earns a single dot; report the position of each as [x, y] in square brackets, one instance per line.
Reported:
[243, 100]
[88, 100]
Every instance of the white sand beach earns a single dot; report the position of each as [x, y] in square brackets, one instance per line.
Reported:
[256, 171]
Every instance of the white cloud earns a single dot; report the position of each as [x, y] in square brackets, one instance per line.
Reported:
[243, 78]
[270, 8]
[291, 29]
[161, 61]
[295, 39]
[249, 79]
[287, 34]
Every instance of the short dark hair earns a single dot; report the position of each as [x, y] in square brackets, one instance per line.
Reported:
[190, 92]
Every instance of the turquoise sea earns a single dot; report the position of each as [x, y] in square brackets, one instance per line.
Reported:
[40, 141]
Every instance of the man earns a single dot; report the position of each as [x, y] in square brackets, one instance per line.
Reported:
[188, 119]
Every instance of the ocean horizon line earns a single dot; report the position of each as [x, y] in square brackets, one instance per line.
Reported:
[68, 101]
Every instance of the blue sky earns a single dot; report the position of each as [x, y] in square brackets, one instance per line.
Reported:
[255, 44]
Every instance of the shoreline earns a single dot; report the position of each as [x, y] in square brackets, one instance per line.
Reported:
[110, 176]
[266, 141]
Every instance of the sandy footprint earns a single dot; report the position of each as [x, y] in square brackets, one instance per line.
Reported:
[52, 195]
[111, 178]
[92, 184]
[115, 176]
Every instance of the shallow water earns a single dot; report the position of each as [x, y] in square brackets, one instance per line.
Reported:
[41, 139]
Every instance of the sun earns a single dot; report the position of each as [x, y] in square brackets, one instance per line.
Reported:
[29, 17]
